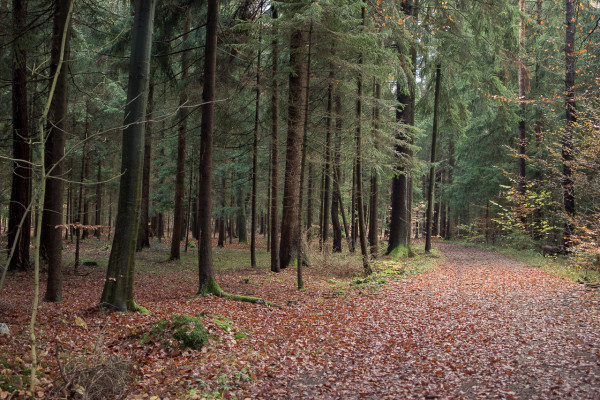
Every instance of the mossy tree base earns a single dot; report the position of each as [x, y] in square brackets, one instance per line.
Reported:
[211, 287]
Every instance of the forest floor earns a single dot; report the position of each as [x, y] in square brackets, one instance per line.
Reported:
[475, 325]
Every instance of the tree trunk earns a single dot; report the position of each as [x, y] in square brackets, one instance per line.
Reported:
[80, 211]
[242, 229]
[144, 234]
[296, 118]
[19, 222]
[255, 166]
[434, 134]
[521, 76]
[98, 218]
[571, 117]
[309, 199]
[359, 191]
[54, 152]
[118, 287]
[85, 159]
[221, 219]
[206, 273]
[274, 223]
[336, 195]
[181, 137]
[327, 183]
[374, 200]
[401, 201]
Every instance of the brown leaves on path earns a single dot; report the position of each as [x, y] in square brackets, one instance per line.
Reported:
[479, 326]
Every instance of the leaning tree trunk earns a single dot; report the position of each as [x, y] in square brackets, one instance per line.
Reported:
[118, 287]
[274, 213]
[206, 273]
[144, 233]
[181, 136]
[291, 188]
[570, 111]
[434, 134]
[19, 220]
[52, 216]
[359, 189]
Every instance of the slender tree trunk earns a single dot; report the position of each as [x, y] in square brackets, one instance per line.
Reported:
[374, 200]
[521, 76]
[188, 228]
[52, 216]
[206, 273]
[327, 181]
[144, 235]
[336, 196]
[85, 159]
[241, 215]
[80, 211]
[449, 216]
[353, 222]
[19, 222]
[221, 219]
[118, 287]
[181, 138]
[434, 134]
[98, 218]
[274, 223]
[255, 166]
[296, 119]
[309, 200]
[571, 117]
[359, 190]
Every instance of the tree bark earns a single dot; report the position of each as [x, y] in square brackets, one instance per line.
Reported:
[274, 213]
[144, 234]
[296, 111]
[98, 217]
[434, 134]
[255, 166]
[19, 220]
[206, 273]
[242, 229]
[52, 217]
[327, 183]
[118, 287]
[571, 118]
[336, 195]
[374, 200]
[359, 190]
[521, 76]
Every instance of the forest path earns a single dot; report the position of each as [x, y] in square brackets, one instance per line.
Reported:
[482, 325]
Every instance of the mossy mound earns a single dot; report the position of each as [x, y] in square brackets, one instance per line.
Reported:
[187, 330]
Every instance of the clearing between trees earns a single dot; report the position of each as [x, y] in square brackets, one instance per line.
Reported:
[480, 325]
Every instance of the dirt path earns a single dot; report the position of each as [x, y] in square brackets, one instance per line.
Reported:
[481, 326]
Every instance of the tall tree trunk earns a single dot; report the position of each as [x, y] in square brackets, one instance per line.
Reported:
[221, 218]
[402, 190]
[336, 195]
[144, 234]
[434, 134]
[359, 191]
[274, 223]
[296, 119]
[309, 199]
[255, 166]
[374, 200]
[327, 182]
[449, 216]
[206, 273]
[85, 159]
[98, 217]
[80, 211]
[181, 137]
[51, 240]
[118, 287]
[242, 229]
[571, 117]
[521, 76]
[19, 220]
